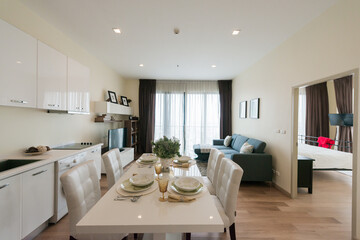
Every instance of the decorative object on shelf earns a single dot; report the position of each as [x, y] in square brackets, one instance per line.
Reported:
[254, 108]
[124, 101]
[133, 118]
[106, 118]
[37, 150]
[112, 97]
[166, 148]
[243, 109]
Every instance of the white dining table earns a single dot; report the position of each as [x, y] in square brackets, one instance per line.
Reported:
[157, 220]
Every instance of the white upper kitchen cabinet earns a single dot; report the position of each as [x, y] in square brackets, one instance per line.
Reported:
[78, 87]
[17, 67]
[52, 78]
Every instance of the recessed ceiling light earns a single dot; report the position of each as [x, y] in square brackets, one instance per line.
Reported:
[141, 65]
[236, 32]
[117, 30]
[18, 62]
[213, 66]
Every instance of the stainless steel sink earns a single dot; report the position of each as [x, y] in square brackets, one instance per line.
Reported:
[14, 163]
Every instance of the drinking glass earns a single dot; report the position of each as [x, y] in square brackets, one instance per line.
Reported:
[163, 184]
[158, 170]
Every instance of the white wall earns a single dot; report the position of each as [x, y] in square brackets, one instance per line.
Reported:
[21, 128]
[327, 46]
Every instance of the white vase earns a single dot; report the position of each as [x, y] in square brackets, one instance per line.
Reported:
[165, 163]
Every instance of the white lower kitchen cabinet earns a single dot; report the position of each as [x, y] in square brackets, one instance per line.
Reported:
[95, 154]
[37, 197]
[10, 208]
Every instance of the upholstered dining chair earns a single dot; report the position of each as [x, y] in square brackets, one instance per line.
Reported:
[113, 166]
[82, 190]
[227, 189]
[212, 170]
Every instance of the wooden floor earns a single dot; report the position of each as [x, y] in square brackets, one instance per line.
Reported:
[265, 213]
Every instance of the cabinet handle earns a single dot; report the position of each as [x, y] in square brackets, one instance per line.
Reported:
[18, 101]
[5, 185]
[39, 172]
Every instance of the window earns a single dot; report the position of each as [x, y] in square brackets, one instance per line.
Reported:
[189, 111]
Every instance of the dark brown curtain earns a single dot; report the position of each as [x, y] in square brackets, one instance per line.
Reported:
[343, 93]
[317, 112]
[225, 91]
[147, 96]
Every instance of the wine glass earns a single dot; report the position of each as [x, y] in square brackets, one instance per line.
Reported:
[163, 184]
[158, 170]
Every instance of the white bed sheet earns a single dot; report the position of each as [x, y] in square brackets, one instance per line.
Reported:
[326, 158]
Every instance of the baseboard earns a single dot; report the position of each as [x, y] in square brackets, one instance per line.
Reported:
[37, 231]
[283, 191]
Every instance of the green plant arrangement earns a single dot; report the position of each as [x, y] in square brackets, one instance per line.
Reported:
[166, 147]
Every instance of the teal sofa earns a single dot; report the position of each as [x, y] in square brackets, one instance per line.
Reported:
[257, 165]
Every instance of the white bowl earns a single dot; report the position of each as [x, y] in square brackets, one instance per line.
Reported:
[141, 180]
[148, 158]
[184, 159]
[187, 183]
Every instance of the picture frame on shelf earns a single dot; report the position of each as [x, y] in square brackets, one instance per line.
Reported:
[112, 97]
[243, 109]
[254, 108]
[124, 101]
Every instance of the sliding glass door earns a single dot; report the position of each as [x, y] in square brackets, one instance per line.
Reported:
[192, 117]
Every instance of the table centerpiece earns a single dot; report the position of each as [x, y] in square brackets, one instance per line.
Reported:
[166, 148]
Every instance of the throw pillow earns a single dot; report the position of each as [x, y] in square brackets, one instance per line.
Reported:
[227, 141]
[246, 148]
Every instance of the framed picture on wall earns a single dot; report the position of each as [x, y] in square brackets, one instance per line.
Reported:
[112, 97]
[254, 108]
[243, 109]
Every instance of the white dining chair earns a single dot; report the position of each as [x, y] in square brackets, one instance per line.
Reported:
[82, 190]
[227, 189]
[212, 170]
[113, 166]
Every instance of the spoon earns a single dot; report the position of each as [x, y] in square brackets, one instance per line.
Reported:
[133, 199]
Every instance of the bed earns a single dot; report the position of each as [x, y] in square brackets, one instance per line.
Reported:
[326, 159]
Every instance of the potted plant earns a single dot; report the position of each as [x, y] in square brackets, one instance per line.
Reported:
[166, 148]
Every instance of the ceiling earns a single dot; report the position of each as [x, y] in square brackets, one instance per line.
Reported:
[205, 36]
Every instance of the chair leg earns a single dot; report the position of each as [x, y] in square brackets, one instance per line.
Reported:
[188, 236]
[232, 232]
[224, 230]
[72, 238]
[135, 236]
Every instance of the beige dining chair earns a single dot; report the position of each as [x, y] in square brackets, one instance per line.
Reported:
[227, 189]
[82, 190]
[113, 166]
[212, 170]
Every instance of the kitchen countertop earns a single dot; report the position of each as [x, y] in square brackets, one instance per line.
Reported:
[46, 158]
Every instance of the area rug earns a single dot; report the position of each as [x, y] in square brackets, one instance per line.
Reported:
[202, 167]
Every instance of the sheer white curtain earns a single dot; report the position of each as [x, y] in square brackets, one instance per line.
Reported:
[189, 111]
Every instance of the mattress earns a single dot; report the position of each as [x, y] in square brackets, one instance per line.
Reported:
[326, 158]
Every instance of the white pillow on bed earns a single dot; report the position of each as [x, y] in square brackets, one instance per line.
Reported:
[227, 141]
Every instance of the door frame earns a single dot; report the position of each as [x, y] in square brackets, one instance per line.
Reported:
[355, 225]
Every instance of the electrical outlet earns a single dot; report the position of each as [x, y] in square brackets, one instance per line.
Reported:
[277, 173]
[274, 171]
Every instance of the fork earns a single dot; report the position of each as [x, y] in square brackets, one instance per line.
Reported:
[132, 198]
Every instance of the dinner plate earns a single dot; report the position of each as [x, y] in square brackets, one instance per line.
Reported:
[177, 190]
[129, 187]
[183, 159]
[187, 184]
[148, 158]
[146, 162]
[141, 180]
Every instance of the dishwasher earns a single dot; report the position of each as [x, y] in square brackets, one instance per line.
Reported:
[61, 166]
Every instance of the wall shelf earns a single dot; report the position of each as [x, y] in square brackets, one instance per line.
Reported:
[112, 108]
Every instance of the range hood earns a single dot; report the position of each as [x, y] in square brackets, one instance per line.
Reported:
[67, 112]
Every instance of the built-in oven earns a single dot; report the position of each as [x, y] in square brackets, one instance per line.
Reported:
[61, 167]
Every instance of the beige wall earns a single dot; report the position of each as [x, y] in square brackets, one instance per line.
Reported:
[132, 92]
[21, 128]
[332, 106]
[327, 46]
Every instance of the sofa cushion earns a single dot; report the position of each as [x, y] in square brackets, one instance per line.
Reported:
[227, 141]
[233, 139]
[240, 140]
[229, 151]
[259, 146]
[220, 147]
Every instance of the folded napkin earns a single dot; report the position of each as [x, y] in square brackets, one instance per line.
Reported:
[176, 198]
